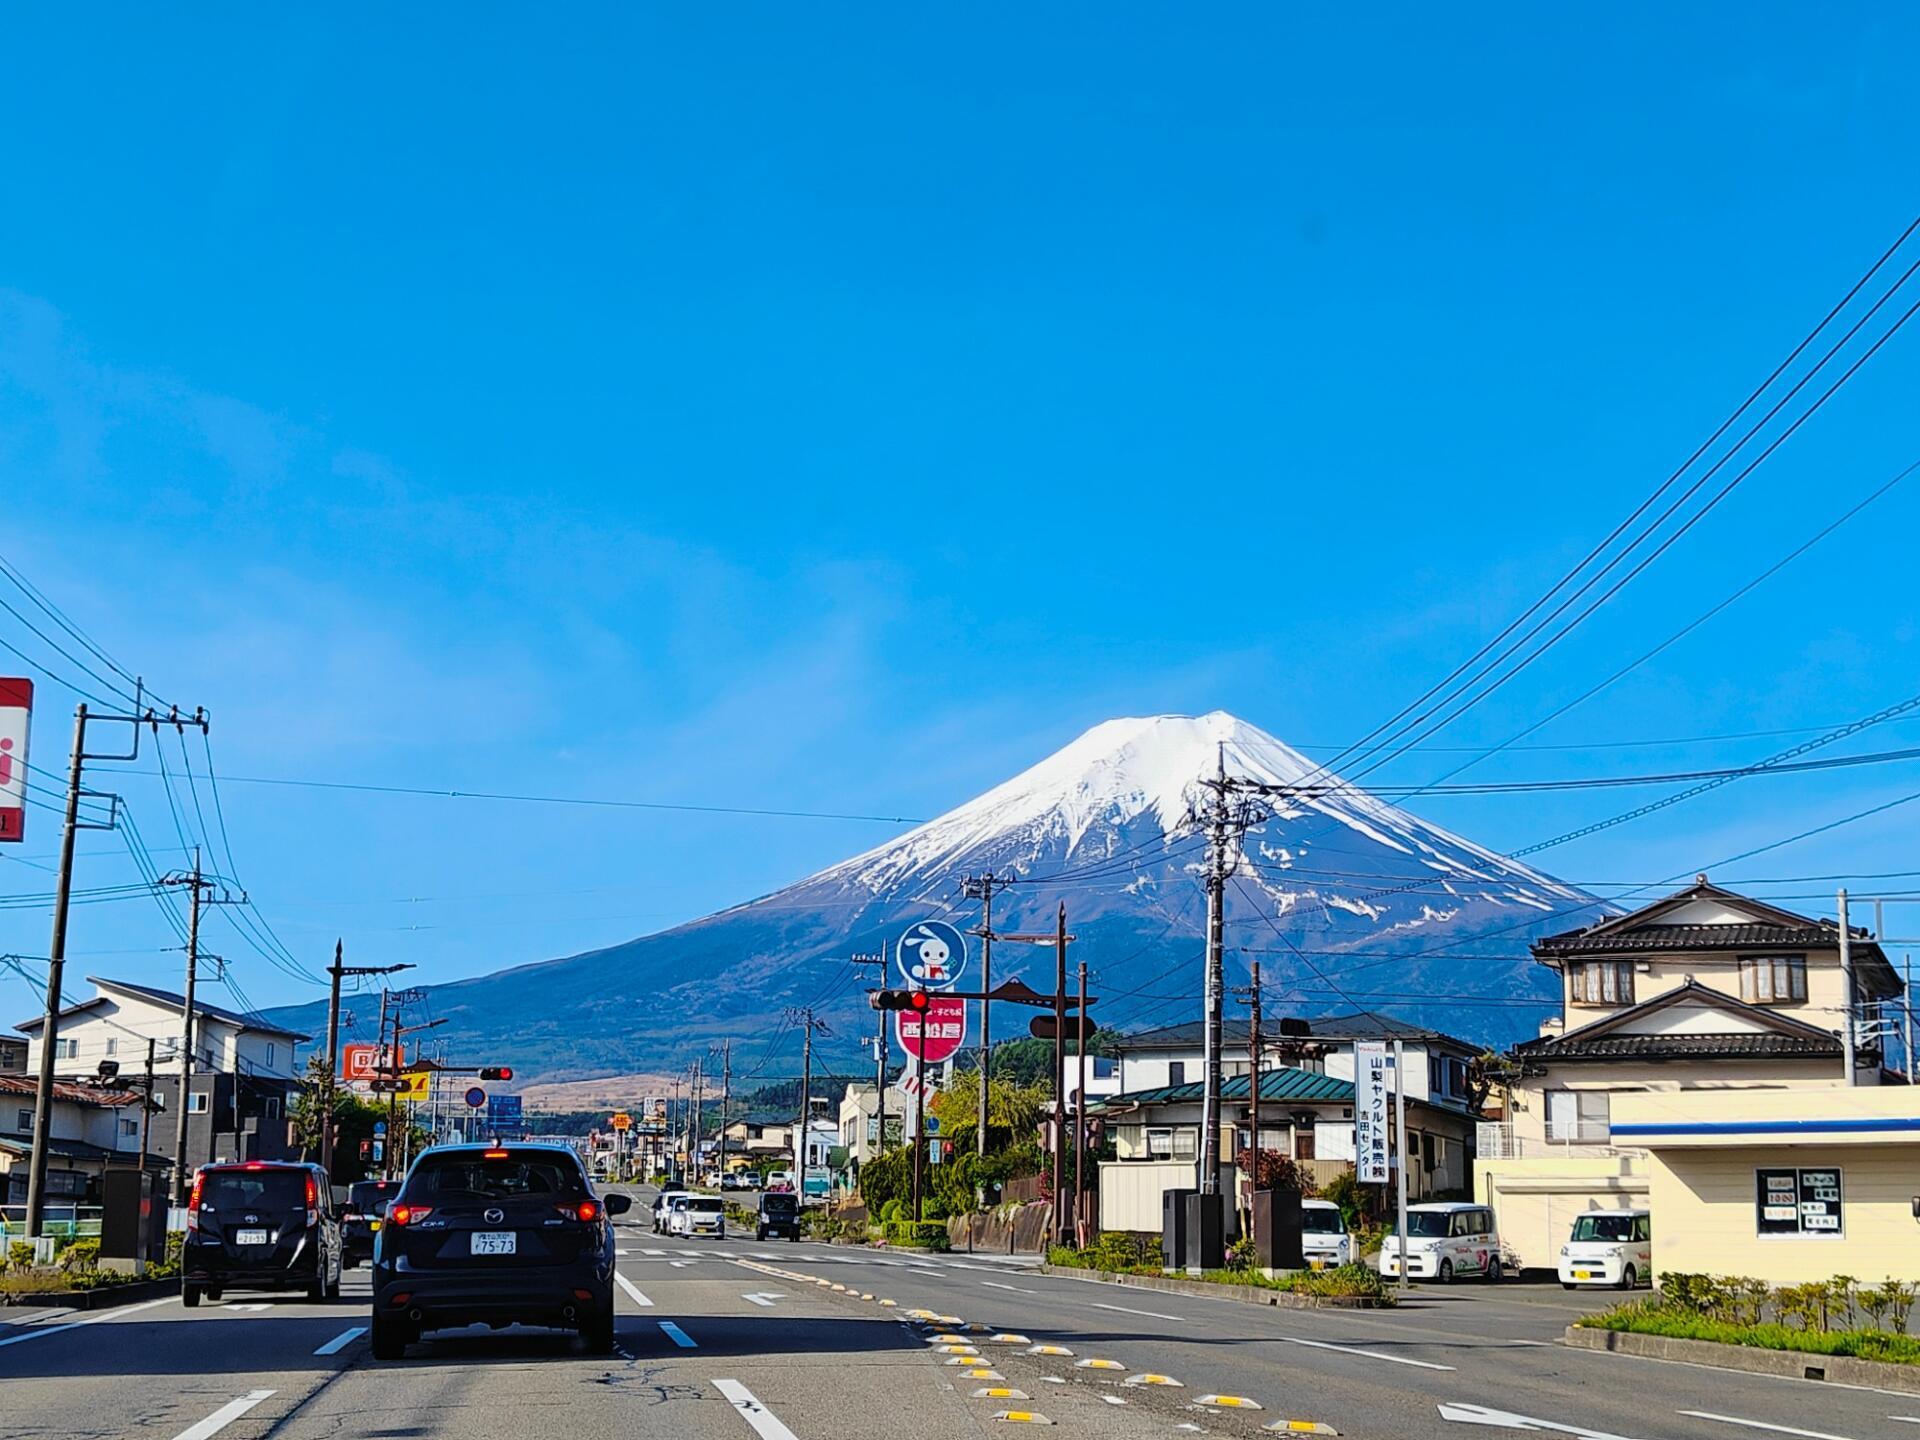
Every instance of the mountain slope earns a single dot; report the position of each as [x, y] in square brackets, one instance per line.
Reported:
[1346, 901]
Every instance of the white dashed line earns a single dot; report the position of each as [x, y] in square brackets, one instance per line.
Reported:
[223, 1417]
[341, 1341]
[1150, 1314]
[996, 1285]
[764, 1422]
[1762, 1425]
[1370, 1354]
[633, 1291]
[678, 1336]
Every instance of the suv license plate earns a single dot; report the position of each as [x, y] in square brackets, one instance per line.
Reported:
[250, 1237]
[493, 1242]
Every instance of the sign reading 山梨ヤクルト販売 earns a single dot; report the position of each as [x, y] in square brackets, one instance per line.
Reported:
[16, 708]
[1370, 1112]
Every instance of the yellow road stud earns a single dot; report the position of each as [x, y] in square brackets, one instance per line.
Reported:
[982, 1375]
[1098, 1365]
[1010, 1339]
[1230, 1402]
[1024, 1417]
[1048, 1350]
[949, 1338]
[1302, 1427]
[1000, 1392]
[866, 1295]
[892, 1303]
[958, 1349]
[1147, 1377]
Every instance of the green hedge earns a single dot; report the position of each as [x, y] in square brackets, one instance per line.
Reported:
[918, 1234]
[1839, 1316]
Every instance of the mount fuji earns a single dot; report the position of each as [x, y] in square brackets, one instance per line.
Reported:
[1347, 902]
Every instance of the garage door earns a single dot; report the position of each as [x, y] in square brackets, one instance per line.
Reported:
[1535, 1222]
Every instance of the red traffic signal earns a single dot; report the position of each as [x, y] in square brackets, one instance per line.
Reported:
[915, 1000]
[366, 1149]
[497, 1072]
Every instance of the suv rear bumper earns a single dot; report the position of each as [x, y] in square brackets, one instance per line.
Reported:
[542, 1296]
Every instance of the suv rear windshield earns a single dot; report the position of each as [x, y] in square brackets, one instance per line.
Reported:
[254, 1189]
[508, 1179]
[775, 1204]
[371, 1194]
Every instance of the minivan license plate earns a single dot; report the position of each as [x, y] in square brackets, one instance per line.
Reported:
[493, 1242]
[249, 1237]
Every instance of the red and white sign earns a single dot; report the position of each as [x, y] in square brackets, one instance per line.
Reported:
[936, 1035]
[361, 1062]
[16, 708]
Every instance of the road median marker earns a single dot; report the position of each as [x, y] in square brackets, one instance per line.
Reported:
[1048, 1350]
[1301, 1427]
[1009, 1339]
[1147, 1377]
[1098, 1365]
[1023, 1417]
[1230, 1402]
[1000, 1392]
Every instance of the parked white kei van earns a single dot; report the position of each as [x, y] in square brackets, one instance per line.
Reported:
[1444, 1241]
[1324, 1240]
[1608, 1247]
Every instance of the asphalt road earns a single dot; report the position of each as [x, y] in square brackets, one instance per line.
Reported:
[732, 1339]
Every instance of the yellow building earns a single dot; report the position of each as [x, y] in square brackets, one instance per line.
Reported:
[1704, 992]
[1786, 1187]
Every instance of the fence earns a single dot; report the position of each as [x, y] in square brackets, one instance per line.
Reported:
[65, 1222]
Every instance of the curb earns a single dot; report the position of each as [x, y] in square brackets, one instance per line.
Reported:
[1245, 1294]
[1791, 1364]
[103, 1298]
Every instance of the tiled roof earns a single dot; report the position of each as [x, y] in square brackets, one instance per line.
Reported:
[1235, 1034]
[171, 999]
[1690, 937]
[1683, 1047]
[1284, 1085]
[95, 1095]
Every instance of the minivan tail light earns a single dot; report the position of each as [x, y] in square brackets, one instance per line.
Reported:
[193, 1201]
[408, 1214]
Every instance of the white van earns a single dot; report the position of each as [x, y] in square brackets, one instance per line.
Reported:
[1444, 1241]
[1324, 1240]
[1609, 1247]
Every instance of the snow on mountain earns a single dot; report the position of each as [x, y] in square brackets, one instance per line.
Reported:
[1349, 902]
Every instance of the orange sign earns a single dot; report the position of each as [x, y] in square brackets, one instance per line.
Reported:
[623, 1121]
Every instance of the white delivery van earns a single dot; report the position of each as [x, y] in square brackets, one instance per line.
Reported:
[1444, 1241]
[1324, 1241]
[1608, 1247]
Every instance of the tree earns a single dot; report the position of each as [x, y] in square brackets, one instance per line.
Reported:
[353, 1117]
[1014, 1111]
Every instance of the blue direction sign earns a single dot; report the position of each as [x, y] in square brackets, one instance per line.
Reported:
[476, 1097]
[932, 954]
[379, 1127]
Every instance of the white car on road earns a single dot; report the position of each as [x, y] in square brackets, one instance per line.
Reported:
[1324, 1240]
[698, 1215]
[1444, 1241]
[1608, 1247]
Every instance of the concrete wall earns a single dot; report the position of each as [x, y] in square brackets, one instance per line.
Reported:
[1534, 1202]
[1130, 1192]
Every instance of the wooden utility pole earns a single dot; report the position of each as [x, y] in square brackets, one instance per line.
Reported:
[981, 888]
[195, 884]
[333, 1059]
[1080, 1115]
[1059, 1070]
[726, 1096]
[1253, 1068]
[879, 1056]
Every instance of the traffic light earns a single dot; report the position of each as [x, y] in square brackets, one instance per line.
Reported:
[915, 1000]
[497, 1072]
[366, 1149]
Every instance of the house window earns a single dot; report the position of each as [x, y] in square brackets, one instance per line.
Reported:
[1578, 1117]
[1457, 1078]
[1160, 1142]
[1176, 1072]
[129, 1129]
[1773, 979]
[1186, 1145]
[1436, 1076]
[1303, 1144]
[196, 1104]
[1103, 1069]
[113, 1045]
[1603, 982]
[24, 1122]
[269, 1054]
[66, 1049]
[1798, 1203]
[270, 1107]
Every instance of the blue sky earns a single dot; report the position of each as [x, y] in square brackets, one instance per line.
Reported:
[841, 410]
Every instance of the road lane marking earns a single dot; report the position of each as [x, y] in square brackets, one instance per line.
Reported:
[633, 1291]
[341, 1341]
[1370, 1354]
[679, 1264]
[764, 1422]
[1762, 1425]
[243, 1307]
[653, 1252]
[765, 1298]
[224, 1416]
[1150, 1314]
[1906, 1419]
[37, 1331]
[678, 1336]
[1506, 1420]
[996, 1285]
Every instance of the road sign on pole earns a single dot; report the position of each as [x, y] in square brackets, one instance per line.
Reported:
[476, 1097]
[936, 1035]
[16, 709]
[623, 1121]
[1370, 1112]
[932, 954]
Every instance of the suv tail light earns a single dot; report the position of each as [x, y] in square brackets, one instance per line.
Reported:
[408, 1214]
[313, 1201]
[193, 1201]
[586, 1210]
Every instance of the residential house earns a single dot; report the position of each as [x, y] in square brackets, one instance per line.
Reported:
[1702, 991]
[755, 1136]
[93, 1127]
[1306, 1108]
[860, 1122]
[244, 1068]
[13, 1054]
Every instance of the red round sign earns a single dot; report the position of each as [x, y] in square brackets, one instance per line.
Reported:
[938, 1034]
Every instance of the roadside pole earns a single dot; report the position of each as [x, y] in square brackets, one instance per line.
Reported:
[333, 1059]
[1400, 1148]
[1079, 1117]
[806, 1115]
[193, 883]
[1058, 1236]
[1848, 1059]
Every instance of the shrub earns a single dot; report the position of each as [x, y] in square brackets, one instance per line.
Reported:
[79, 1255]
[918, 1234]
[1345, 1191]
[1818, 1316]
[1114, 1252]
[20, 1254]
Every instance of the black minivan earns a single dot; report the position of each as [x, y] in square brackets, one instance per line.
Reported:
[497, 1235]
[260, 1225]
[366, 1204]
[779, 1215]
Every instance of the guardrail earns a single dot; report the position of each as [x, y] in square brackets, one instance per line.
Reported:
[66, 1222]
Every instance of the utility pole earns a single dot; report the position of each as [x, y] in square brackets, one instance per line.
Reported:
[1253, 1070]
[675, 1125]
[804, 1017]
[726, 1095]
[1906, 1010]
[1080, 1115]
[1400, 1148]
[56, 967]
[980, 887]
[693, 1130]
[146, 1118]
[1848, 1062]
[879, 1055]
[1059, 1069]
[195, 886]
[335, 973]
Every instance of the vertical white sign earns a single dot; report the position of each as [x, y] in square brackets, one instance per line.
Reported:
[1370, 1112]
[16, 707]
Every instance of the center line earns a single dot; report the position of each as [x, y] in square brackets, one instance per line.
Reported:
[37, 1331]
[1370, 1354]
[633, 1291]
[341, 1341]
[678, 1336]
[764, 1422]
[1761, 1425]
[996, 1285]
[1150, 1314]
[224, 1416]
